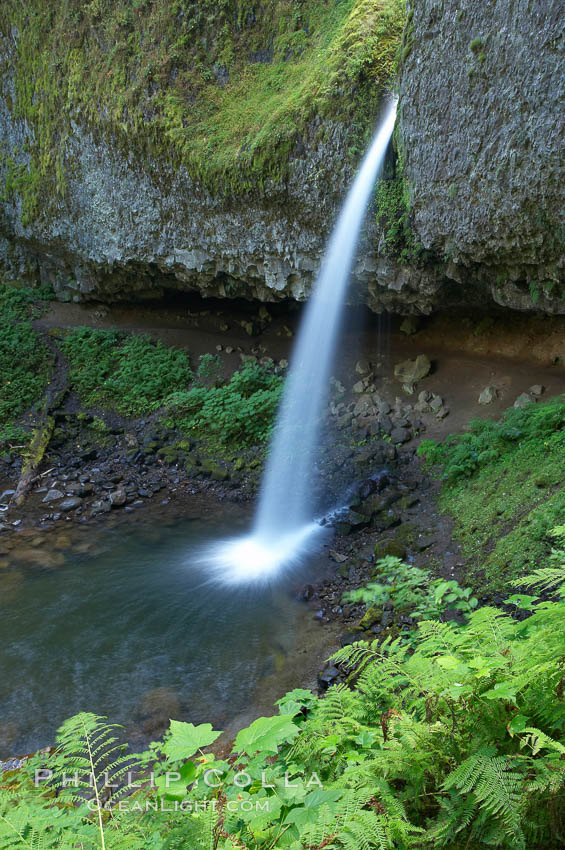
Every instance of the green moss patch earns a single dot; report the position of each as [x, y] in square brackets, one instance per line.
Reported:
[504, 486]
[226, 88]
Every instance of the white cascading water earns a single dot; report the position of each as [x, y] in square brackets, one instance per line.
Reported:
[284, 527]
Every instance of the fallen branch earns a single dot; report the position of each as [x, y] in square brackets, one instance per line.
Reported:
[39, 443]
[54, 397]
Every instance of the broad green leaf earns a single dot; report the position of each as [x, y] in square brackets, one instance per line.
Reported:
[522, 600]
[367, 738]
[319, 796]
[502, 690]
[458, 690]
[517, 724]
[265, 735]
[300, 816]
[294, 701]
[185, 739]
[448, 662]
[175, 788]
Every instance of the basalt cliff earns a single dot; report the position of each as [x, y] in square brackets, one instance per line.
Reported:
[154, 146]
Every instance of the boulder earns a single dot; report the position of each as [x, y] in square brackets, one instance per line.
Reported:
[412, 371]
[53, 495]
[102, 506]
[523, 400]
[400, 435]
[328, 675]
[70, 504]
[488, 395]
[385, 423]
[215, 470]
[381, 403]
[364, 385]
[365, 407]
[371, 616]
[156, 709]
[337, 556]
[388, 547]
[118, 497]
[362, 367]
[409, 325]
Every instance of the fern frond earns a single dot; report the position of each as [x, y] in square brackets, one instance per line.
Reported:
[537, 740]
[542, 579]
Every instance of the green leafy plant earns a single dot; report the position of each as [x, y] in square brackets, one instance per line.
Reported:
[409, 589]
[130, 373]
[209, 368]
[238, 413]
[25, 361]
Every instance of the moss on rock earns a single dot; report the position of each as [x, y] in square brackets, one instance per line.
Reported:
[227, 89]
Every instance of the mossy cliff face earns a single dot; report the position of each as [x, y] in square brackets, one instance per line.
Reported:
[482, 134]
[183, 145]
[147, 146]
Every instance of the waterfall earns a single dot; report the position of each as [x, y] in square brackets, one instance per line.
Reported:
[284, 526]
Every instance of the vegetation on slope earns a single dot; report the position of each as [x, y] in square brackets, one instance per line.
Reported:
[454, 739]
[135, 376]
[227, 88]
[238, 413]
[131, 375]
[504, 486]
[24, 360]
[128, 373]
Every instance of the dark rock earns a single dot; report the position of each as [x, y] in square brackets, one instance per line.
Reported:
[389, 547]
[380, 501]
[79, 489]
[351, 637]
[118, 498]
[409, 325]
[400, 435]
[100, 507]
[371, 616]
[386, 520]
[356, 519]
[385, 423]
[524, 400]
[53, 496]
[156, 709]
[307, 592]
[328, 675]
[70, 504]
